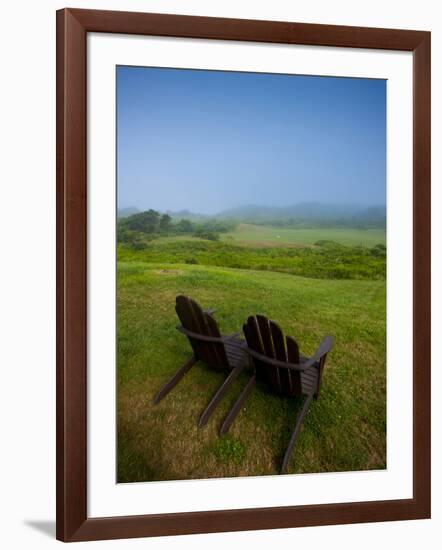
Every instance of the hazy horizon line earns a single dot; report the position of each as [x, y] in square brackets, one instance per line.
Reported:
[257, 206]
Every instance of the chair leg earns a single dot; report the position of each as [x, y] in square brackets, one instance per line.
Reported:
[237, 406]
[295, 434]
[175, 379]
[219, 395]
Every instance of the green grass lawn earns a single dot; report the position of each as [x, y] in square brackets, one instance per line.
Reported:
[261, 235]
[345, 428]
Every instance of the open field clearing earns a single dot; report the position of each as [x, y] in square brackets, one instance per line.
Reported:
[267, 236]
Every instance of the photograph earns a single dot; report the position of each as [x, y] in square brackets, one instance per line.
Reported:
[251, 274]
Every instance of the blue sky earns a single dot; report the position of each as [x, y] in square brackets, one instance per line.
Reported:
[211, 140]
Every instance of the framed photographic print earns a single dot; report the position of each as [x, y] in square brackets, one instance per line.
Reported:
[243, 274]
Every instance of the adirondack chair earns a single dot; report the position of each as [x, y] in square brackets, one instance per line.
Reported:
[225, 353]
[278, 363]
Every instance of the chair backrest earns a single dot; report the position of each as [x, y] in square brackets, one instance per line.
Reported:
[194, 319]
[267, 338]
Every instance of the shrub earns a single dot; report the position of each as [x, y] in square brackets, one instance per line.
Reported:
[207, 235]
[378, 250]
[144, 222]
[324, 242]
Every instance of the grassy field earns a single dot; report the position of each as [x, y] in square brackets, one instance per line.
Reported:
[328, 261]
[345, 428]
[261, 235]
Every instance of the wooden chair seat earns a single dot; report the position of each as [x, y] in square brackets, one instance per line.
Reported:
[310, 379]
[236, 353]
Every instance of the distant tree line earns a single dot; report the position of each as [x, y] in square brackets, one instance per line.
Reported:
[148, 225]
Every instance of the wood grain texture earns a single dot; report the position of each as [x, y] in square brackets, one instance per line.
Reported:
[422, 275]
[251, 30]
[72, 521]
[71, 276]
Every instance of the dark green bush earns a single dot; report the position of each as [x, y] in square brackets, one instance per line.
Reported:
[207, 235]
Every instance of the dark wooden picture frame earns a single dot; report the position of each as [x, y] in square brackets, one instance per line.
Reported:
[73, 523]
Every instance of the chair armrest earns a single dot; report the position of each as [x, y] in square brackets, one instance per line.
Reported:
[324, 347]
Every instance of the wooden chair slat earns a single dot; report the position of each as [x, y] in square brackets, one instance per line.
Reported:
[252, 335]
[206, 349]
[192, 317]
[292, 350]
[284, 379]
[185, 313]
[199, 316]
[219, 352]
[293, 357]
[187, 318]
[254, 341]
[265, 334]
